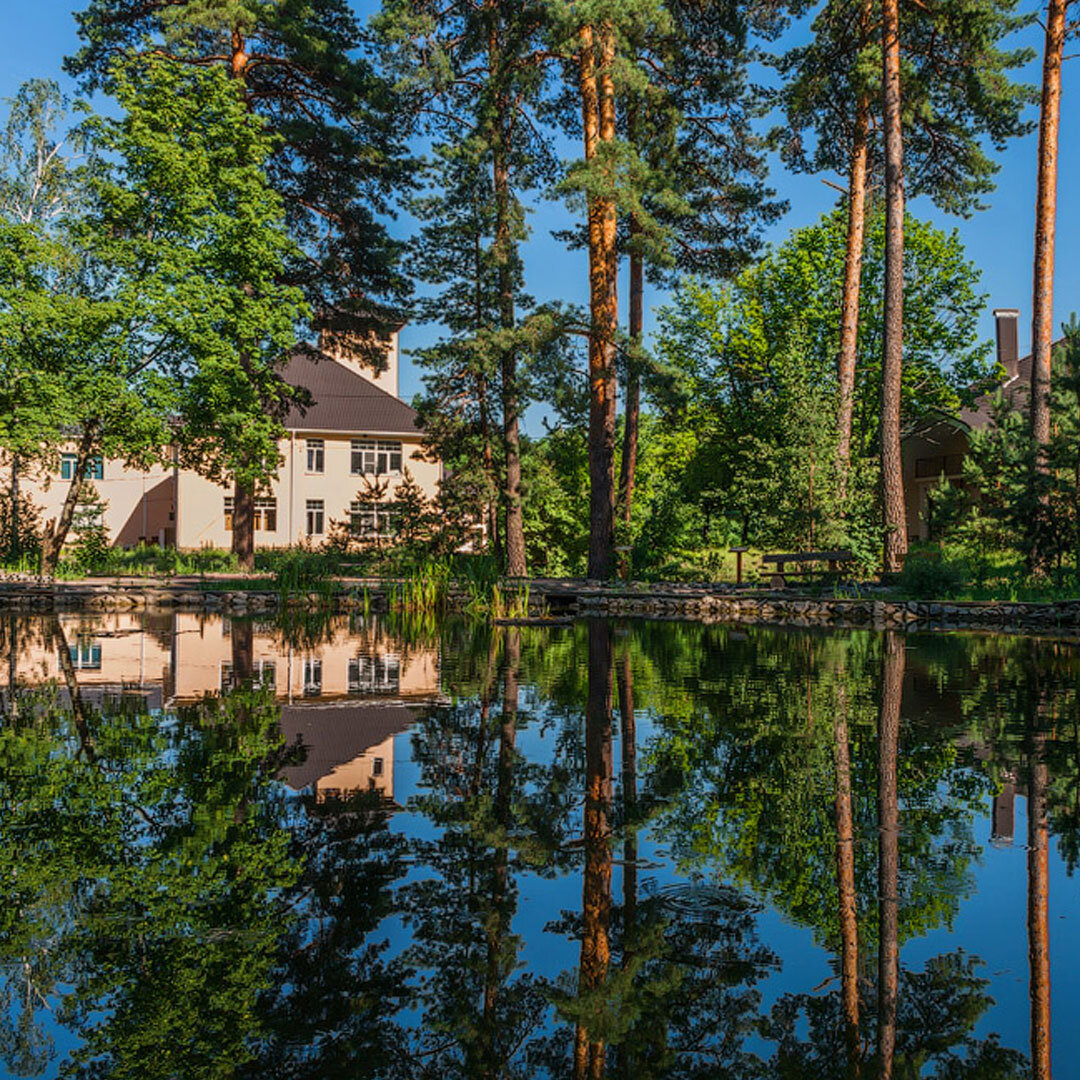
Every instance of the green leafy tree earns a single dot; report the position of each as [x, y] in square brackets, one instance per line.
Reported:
[758, 363]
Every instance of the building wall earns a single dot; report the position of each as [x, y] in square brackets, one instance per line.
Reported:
[204, 657]
[139, 504]
[115, 649]
[374, 768]
[201, 518]
[387, 380]
[945, 442]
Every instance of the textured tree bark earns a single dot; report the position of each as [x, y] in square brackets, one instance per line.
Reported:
[849, 307]
[504, 259]
[14, 547]
[892, 481]
[598, 120]
[892, 684]
[1038, 909]
[847, 898]
[243, 535]
[632, 406]
[589, 1052]
[1042, 295]
[243, 525]
[56, 532]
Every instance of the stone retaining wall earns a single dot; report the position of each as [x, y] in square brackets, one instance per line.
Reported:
[568, 599]
[875, 613]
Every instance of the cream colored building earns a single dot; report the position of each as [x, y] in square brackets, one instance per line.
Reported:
[356, 434]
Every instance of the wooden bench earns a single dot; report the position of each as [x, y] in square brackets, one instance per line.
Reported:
[803, 559]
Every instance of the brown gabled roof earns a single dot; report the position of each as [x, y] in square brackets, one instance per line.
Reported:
[342, 400]
[1016, 386]
[332, 735]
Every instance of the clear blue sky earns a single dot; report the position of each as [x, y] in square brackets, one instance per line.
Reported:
[36, 35]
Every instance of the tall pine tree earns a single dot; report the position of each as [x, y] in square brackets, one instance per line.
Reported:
[477, 71]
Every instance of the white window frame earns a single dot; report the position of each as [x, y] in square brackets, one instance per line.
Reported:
[376, 457]
[315, 515]
[316, 456]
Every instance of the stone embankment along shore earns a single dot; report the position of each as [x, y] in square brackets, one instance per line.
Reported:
[701, 603]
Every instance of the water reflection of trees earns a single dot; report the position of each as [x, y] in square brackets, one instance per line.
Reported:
[142, 864]
[185, 916]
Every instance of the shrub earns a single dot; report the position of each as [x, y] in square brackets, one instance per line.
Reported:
[928, 575]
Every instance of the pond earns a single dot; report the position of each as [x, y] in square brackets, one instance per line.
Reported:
[406, 849]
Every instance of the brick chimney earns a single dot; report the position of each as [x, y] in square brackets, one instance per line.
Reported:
[1007, 331]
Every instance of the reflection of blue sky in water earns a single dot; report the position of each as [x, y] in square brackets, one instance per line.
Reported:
[990, 912]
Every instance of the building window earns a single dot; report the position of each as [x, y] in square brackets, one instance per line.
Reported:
[316, 455]
[374, 675]
[374, 457]
[314, 517]
[946, 465]
[366, 520]
[95, 467]
[312, 678]
[377, 766]
[266, 674]
[265, 515]
[85, 655]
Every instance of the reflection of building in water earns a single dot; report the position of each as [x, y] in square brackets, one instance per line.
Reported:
[187, 655]
[111, 655]
[363, 661]
[345, 748]
[330, 691]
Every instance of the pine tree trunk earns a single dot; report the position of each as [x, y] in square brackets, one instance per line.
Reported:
[1045, 224]
[1042, 307]
[892, 480]
[589, 1050]
[13, 667]
[847, 896]
[14, 543]
[892, 685]
[598, 118]
[242, 651]
[515, 530]
[492, 515]
[1038, 908]
[56, 532]
[849, 308]
[632, 406]
[243, 525]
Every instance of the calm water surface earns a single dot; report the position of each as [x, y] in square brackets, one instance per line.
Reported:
[368, 849]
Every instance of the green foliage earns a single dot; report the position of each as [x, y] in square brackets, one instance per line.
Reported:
[337, 141]
[1016, 499]
[20, 527]
[750, 440]
[927, 575]
[90, 546]
[191, 162]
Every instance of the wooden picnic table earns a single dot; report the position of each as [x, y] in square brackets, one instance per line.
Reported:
[803, 558]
